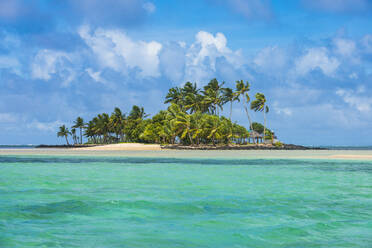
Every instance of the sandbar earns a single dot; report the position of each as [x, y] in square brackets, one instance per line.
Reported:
[144, 150]
[122, 147]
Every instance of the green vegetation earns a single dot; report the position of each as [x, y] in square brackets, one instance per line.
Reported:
[64, 132]
[278, 144]
[193, 117]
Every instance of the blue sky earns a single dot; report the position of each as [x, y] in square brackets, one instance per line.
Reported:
[66, 58]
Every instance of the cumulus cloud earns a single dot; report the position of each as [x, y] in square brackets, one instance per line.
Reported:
[46, 63]
[96, 75]
[317, 58]
[204, 54]
[44, 126]
[129, 68]
[282, 110]
[149, 7]
[172, 61]
[271, 59]
[339, 6]
[207, 56]
[344, 47]
[356, 99]
[115, 50]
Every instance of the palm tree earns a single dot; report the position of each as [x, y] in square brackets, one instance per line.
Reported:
[229, 96]
[137, 113]
[117, 122]
[197, 120]
[174, 96]
[103, 126]
[189, 88]
[79, 123]
[191, 97]
[213, 128]
[73, 133]
[170, 124]
[194, 103]
[63, 132]
[183, 125]
[259, 104]
[90, 132]
[213, 95]
[242, 90]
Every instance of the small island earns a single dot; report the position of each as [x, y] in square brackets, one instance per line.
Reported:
[193, 120]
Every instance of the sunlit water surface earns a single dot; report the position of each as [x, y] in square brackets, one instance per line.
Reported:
[60, 201]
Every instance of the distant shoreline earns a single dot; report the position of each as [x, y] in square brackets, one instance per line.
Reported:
[139, 146]
[143, 150]
[243, 147]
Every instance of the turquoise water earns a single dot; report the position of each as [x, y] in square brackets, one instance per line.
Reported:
[160, 202]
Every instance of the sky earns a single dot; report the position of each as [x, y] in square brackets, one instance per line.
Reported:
[60, 59]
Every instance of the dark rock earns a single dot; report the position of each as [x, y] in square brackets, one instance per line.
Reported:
[242, 147]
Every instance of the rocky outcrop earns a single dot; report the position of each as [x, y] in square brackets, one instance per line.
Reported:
[242, 147]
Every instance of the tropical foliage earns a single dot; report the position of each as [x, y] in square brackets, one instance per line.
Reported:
[193, 117]
[63, 132]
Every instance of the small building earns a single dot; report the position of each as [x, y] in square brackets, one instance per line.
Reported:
[255, 137]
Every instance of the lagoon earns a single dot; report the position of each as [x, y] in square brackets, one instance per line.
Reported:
[183, 201]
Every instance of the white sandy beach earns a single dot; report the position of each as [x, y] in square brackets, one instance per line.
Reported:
[153, 150]
[122, 147]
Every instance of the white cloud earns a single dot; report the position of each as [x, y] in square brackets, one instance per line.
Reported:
[8, 118]
[95, 75]
[344, 47]
[367, 43]
[202, 56]
[353, 75]
[282, 110]
[12, 63]
[271, 58]
[172, 61]
[356, 99]
[317, 58]
[44, 126]
[361, 89]
[115, 50]
[46, 63]
[149, 7]
[10, 41]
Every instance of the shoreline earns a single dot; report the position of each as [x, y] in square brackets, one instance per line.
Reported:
[352, 155]
[242, 147]
[156, 147]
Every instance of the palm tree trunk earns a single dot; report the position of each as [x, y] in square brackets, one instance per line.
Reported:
[249, 119]
[190, 138]
[230, 110]
[67, 140]
[81, 137]
[264, 124]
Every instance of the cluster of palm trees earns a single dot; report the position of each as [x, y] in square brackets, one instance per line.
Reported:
[214, 96]
[65, 132]
[192, 118]
[174, 125]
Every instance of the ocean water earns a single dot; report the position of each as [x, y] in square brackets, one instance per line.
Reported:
[61, 201]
